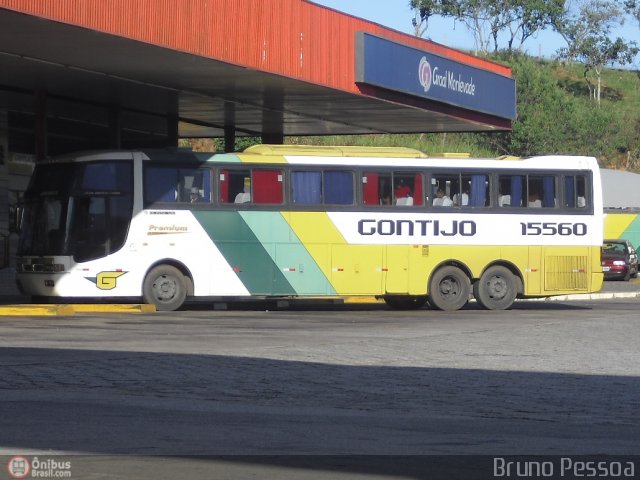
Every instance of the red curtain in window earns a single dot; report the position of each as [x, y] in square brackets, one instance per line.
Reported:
[418, 197]
[223, 186]
[267, 186]
[370, 194]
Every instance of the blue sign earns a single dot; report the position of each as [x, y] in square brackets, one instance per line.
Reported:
[400, 68]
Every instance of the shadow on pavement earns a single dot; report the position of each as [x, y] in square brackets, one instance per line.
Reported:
[177, 405]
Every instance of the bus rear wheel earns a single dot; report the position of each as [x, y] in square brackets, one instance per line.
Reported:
[496, 289]
[405, 302]
[449, 289]
[165, 287]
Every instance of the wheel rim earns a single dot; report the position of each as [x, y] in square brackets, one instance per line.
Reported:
[164, 288]
[497, 287]
[449, 287]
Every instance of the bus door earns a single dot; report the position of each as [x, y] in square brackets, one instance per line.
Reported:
[397, 269]
[357, 269]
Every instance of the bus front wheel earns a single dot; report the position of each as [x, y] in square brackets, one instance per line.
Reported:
[165, 287]
[496, 289]
[449, 289]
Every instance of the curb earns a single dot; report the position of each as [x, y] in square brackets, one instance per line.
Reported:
[556, 298]
[586, 296]
[35, 310]
[72, 309]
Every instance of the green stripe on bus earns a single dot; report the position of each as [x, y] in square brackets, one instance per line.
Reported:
[632, 232]
[245, 253]
[288, 253]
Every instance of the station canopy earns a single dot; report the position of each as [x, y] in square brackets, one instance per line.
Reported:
[85, 64]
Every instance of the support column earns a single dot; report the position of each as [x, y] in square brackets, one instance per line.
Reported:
[274, 138]
[172, 130]
[273, 117]
[115, 127]
[40, 108]
[4, 191]
[229, 127]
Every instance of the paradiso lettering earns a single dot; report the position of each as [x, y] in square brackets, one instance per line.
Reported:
[431, 76]
[421, 228]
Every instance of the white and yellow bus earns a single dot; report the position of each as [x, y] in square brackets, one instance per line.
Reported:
[301, 221]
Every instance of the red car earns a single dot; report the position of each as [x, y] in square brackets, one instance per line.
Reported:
[619, 260]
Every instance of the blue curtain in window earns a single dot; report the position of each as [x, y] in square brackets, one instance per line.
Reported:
[306, 188]
[160, 185]
[569, 192]
[338, 188]
[548, 191]
[478, 191]
[206, 184]
[516, 191]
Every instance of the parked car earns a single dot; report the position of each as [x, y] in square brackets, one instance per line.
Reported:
[619, 260]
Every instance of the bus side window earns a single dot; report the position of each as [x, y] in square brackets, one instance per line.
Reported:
[376, 188]
[306, 188]
[267, 187]
[474, 191]
[338, 187]
[510, 190]
[575, 191]
[541, 191]
[407, 188]
[232, 183]
[160, 185]
[443, 187]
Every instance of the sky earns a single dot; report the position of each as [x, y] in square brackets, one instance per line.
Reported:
[396, 14]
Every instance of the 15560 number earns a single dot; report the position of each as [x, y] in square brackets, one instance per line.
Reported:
[551, 228]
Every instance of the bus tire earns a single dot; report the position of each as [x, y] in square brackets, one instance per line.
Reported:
[165, 287]
[497, 288]
[449, 289]
[405, 302]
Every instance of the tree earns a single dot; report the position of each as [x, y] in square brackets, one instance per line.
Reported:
[420, 20]
[588, 33]
[488, 19]
[544, 105]
[633, 8]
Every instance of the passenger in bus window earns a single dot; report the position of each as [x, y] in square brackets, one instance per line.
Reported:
[442, 199]
[245, 195]
[534, 200]
[402, 190]
[195, 196]
[504, 200]
[461, 199]
[581, 203]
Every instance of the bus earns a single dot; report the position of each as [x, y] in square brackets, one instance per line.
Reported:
[286, 221]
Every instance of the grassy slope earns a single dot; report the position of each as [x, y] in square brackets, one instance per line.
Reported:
[620, 89]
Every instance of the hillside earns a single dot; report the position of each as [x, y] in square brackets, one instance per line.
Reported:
[611, 131]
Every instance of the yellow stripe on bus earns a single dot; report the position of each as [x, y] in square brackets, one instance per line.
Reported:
[318, 234]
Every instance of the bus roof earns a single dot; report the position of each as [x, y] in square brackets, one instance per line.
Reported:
[335, 151]
[339, 155]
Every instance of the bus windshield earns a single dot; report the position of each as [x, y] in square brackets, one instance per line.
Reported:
[79, 209]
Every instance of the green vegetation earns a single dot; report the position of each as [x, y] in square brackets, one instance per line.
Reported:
[556, 114]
